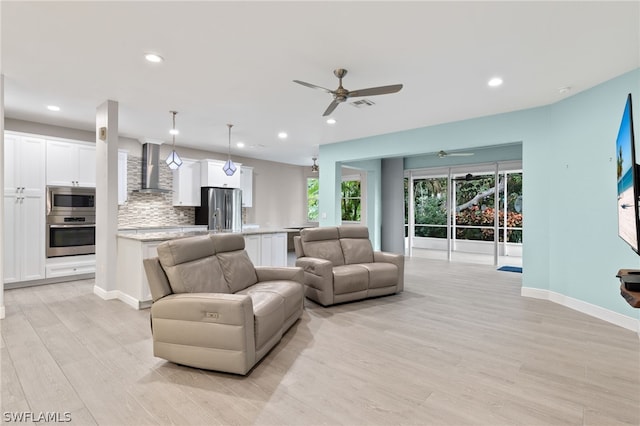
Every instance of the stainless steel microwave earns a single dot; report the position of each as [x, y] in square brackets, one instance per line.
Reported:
[71, 201]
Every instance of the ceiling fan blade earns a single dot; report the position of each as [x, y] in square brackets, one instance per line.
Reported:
[443, 154]
[313, 86]
[372, 91]
[330, 108]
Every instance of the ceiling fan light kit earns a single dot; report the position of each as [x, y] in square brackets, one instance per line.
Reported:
[341, 94]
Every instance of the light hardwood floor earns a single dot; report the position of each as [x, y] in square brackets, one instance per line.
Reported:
[459, 346]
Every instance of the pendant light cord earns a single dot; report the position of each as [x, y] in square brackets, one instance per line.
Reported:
[173, 134]
[229, 126]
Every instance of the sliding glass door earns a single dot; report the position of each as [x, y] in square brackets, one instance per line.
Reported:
[458, 215]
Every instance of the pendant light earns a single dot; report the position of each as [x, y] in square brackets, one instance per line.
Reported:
[229, 168]
[173, 160]
[315, 168]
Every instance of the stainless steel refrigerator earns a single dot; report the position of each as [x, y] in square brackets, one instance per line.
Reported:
[220, 209]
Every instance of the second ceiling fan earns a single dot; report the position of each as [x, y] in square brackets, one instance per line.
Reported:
[341, 94]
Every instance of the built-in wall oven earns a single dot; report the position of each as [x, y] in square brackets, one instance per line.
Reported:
[71, 221]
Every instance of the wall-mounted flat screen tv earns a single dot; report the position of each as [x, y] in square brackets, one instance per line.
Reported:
[627, 174]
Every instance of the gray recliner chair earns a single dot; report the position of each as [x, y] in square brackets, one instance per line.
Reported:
[213, 309]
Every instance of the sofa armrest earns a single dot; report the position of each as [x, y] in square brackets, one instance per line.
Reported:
[271, 273]
[214, 331]
[316, 266]
[318, 279]
[396, 259]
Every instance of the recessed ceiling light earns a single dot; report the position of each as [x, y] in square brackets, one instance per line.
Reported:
[174, 132]
[563, 90]
[53, 107]
[282, 135]
[331, 121]
[152, 57]
[495, 82]
[240, 144]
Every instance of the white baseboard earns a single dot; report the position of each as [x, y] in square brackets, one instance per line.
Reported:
[117, 294]
[620, 320]
[104, 294]
[131, 301]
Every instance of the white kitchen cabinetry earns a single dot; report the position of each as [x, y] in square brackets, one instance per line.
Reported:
[268, 249]
[71, 163]
[211, 174]
[274, 249]
[186, 184]
[252, 247]
[24, 208]
[122, 177]
[70, 265]
[246, 184]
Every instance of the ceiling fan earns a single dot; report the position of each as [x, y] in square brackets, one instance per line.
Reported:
[443, 154]
[341, 94]
[468, 177]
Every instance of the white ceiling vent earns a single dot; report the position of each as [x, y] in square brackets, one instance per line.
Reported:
[362, 103]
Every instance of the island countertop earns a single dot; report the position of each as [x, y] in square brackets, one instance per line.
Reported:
[164, 236]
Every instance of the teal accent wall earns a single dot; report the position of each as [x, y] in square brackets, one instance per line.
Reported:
[570, 237]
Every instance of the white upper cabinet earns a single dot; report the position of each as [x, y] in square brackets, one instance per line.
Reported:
[71, 164]
[186, 184]
[24, 163]
[211, 174]
[246, 184]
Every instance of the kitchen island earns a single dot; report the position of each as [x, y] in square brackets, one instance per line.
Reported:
[265, 247]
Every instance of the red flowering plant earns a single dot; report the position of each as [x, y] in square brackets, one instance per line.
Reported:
[475, 216]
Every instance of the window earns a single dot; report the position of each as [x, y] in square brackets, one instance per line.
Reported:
[430, 207]
[313, 189]
[351, 200]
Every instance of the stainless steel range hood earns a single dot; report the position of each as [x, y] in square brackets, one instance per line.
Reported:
[151, 170]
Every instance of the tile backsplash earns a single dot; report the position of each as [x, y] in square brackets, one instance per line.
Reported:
[142, 210]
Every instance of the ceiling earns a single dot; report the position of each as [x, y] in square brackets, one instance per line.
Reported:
[234, 62]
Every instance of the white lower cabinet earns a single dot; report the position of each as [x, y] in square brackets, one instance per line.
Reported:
[24, 237]
[252, 246]
[70, 265]
[269, 249]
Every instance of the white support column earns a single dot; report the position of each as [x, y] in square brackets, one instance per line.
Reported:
[2, 198]
[106, 199]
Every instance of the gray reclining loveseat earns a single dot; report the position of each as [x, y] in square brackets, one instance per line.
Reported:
[340, 265]
[213, 309]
